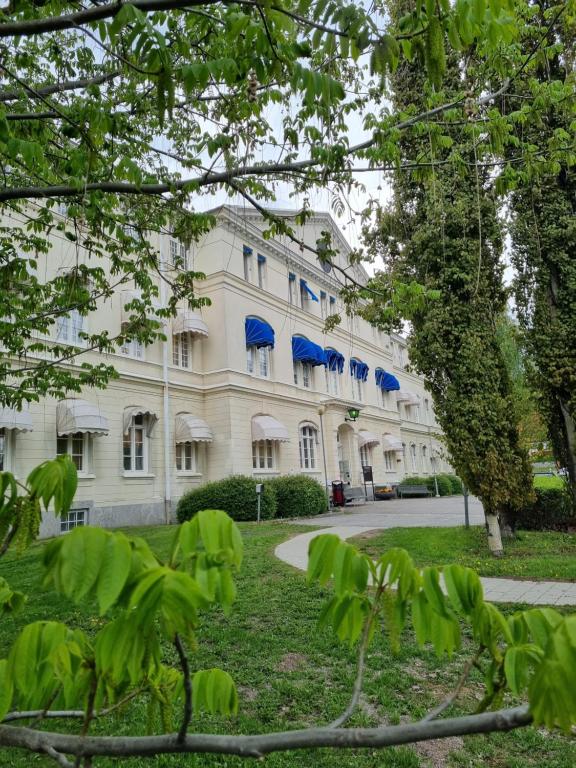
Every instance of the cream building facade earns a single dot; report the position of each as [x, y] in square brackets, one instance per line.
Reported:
[251, 384]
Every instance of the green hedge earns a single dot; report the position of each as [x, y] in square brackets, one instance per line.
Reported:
[235, 495]
[299, 496]
[551, 510]
[444, 483]
[455, 483]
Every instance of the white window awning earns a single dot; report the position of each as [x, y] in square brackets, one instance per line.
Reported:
[139, 410]
[409, 398]
[367, 439]
[268, 428]
[187, 321]
[19, 421]
[191, 429]
[75, 415]
[129, 296]
[391, 443]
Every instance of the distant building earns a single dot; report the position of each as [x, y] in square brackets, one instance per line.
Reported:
[251, 384]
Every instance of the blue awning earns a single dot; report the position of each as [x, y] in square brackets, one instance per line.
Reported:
[322, 294]
[258, 333]
[308, 352]
[358, 369]
[291, 276]
[386, 381]
[247, 251]
[309, 291]
[261, 259]
[335, 360]
[332, 300]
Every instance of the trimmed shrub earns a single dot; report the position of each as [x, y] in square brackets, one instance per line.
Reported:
[444, 485]
[455, 483]
[552, 510]
[236, 495]
[298, 496]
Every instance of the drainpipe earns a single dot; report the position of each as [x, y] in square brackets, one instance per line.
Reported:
[166, 407]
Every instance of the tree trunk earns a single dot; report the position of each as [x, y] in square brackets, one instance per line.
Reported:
[494, 537]
[570, 431]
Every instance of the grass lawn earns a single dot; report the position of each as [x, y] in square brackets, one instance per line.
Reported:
[291, 674]
[531, 555]
[545, 481]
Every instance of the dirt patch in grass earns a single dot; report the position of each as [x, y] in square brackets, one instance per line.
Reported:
[290, 662]
[435, 753]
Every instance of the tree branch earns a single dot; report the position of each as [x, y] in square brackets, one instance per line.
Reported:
[187, 714]
[223, 177]
[59, 758]
[65, 85]
[451, 698]
[263, 744]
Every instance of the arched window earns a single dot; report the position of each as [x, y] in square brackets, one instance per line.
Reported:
[308, 440]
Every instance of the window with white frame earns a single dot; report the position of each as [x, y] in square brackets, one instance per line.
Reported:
[366, 455]
[5, 449]
[332, 382]
[307, 444]
[389, 460]
[178, 254]
[247, 256]
[182, 350]
[303, 374]
[74, 519]
[323, 305]
[384, 397]
[426, 411]
[187, 457]
[261, 271]
[264, 454]
[291, 288]
[357, 389]
[77, 446]
[413, 457]
[413, 412]
[133, 348]
[424, 455]
[258, 361]
[69, 328]
[136, 445]
[332, 305]
[304, 297]
[62, 209]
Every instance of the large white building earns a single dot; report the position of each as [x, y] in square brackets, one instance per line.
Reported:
[251, 384]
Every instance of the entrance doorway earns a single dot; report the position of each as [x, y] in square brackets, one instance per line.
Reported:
[344, 438]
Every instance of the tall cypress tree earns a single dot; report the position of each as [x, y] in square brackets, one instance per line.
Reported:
[442, 230]
[544, 228]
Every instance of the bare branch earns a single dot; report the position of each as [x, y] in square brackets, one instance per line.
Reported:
[60, 759]
[187, 714]
[263, 744]
[451, 698]
[65, 85]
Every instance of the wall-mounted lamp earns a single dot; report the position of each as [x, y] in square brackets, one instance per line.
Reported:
[353, 414]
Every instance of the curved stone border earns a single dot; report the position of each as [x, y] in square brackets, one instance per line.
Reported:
[295, 553]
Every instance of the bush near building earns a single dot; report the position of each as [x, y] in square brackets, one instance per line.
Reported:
[298, 496]
[443, 481]
[235, 495]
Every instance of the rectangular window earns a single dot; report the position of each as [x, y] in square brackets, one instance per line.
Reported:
[332, 382]
[308, 448]
[247, 256]
[187, 457]
[384, 398]
[357, 390]
[366, 456]
[261, 271]
[133, 348]
[258, 361]
[68, 328]
[263, 454]
[323, 305]
[181, 350]
[291, 288]
[303, 374]
[178, 254]
[332, 305]
[135, 445]
[389, 460]
[76, 446]
[74, 519]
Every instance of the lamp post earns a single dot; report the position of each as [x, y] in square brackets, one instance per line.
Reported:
[433, 456]
[321, 412]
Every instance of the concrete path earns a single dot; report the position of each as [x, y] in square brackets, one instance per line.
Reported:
[423, 512]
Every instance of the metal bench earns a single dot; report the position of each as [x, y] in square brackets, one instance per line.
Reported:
[354, 494]
[413, 490]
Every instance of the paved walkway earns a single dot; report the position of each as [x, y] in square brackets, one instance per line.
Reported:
[423, 512]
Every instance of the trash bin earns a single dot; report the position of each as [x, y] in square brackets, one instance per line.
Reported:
[338, 499]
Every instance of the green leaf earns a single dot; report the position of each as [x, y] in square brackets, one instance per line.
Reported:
[321, 552]
[213, 691]
[6, 689]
